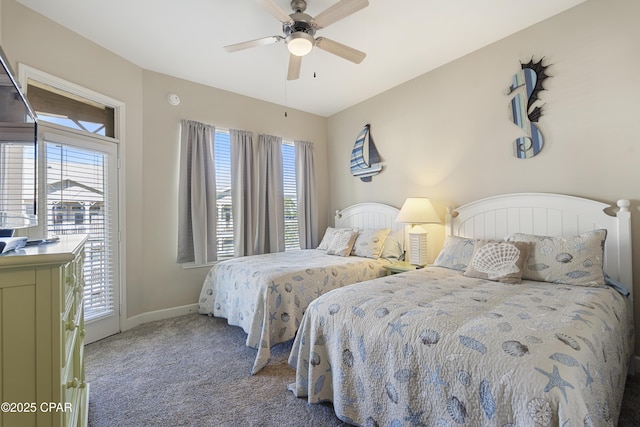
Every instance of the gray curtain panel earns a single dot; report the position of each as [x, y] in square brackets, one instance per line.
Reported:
[306, 189]
[243, 191]
[270, 196]
[197, 194]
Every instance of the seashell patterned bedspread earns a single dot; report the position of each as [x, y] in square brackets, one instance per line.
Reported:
[266, 295]
[434, 348]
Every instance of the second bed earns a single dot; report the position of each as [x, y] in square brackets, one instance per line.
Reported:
[266, 295]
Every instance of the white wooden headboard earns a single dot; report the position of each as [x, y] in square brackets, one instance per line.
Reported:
[368, 215]
[550, 215]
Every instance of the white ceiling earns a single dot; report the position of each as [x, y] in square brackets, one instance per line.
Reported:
[402, 39]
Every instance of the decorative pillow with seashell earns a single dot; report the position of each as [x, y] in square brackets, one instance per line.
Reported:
[329, 234]
[498, 260]
[456, 253]
[342, 242]
[573, 260]
[370, 242]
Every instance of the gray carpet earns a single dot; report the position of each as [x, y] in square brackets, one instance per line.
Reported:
[193, 370]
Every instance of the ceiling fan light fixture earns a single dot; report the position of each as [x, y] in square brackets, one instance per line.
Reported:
[299, 43]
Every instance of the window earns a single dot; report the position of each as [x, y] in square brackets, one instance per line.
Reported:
[224, 228]
[291, 232]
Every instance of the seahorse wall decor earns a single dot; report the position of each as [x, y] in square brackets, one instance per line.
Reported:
[527, 85]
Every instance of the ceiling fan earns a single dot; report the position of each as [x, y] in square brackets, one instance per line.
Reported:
[299, 30]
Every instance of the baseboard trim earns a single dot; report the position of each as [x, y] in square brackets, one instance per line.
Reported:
[152, 316]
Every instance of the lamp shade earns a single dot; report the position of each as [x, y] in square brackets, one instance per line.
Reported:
[418, 210]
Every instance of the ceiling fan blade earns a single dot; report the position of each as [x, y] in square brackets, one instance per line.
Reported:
[253, 43]
[274, 9]
[295, 62]
[343, 51]
[340, 10]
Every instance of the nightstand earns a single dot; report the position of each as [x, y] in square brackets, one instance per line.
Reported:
[400, 267]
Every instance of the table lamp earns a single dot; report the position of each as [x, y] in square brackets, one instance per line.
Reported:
[416, 211]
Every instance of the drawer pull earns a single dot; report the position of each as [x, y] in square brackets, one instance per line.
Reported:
[70, 325]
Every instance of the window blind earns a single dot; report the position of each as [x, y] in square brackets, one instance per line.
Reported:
[78, 202]
[17, 179]
[224, 227]
[291, 232]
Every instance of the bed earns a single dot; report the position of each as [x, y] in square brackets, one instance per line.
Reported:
[441, 347]
[266, 295]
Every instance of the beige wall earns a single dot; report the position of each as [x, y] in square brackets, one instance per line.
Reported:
[153, 279]
[167, 284]
[447, 135]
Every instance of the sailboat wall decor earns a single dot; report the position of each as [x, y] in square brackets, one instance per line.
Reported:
[365, 160]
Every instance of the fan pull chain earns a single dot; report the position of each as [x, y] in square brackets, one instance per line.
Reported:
[285, 95]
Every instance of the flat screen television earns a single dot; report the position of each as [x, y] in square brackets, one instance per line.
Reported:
[18, 152]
